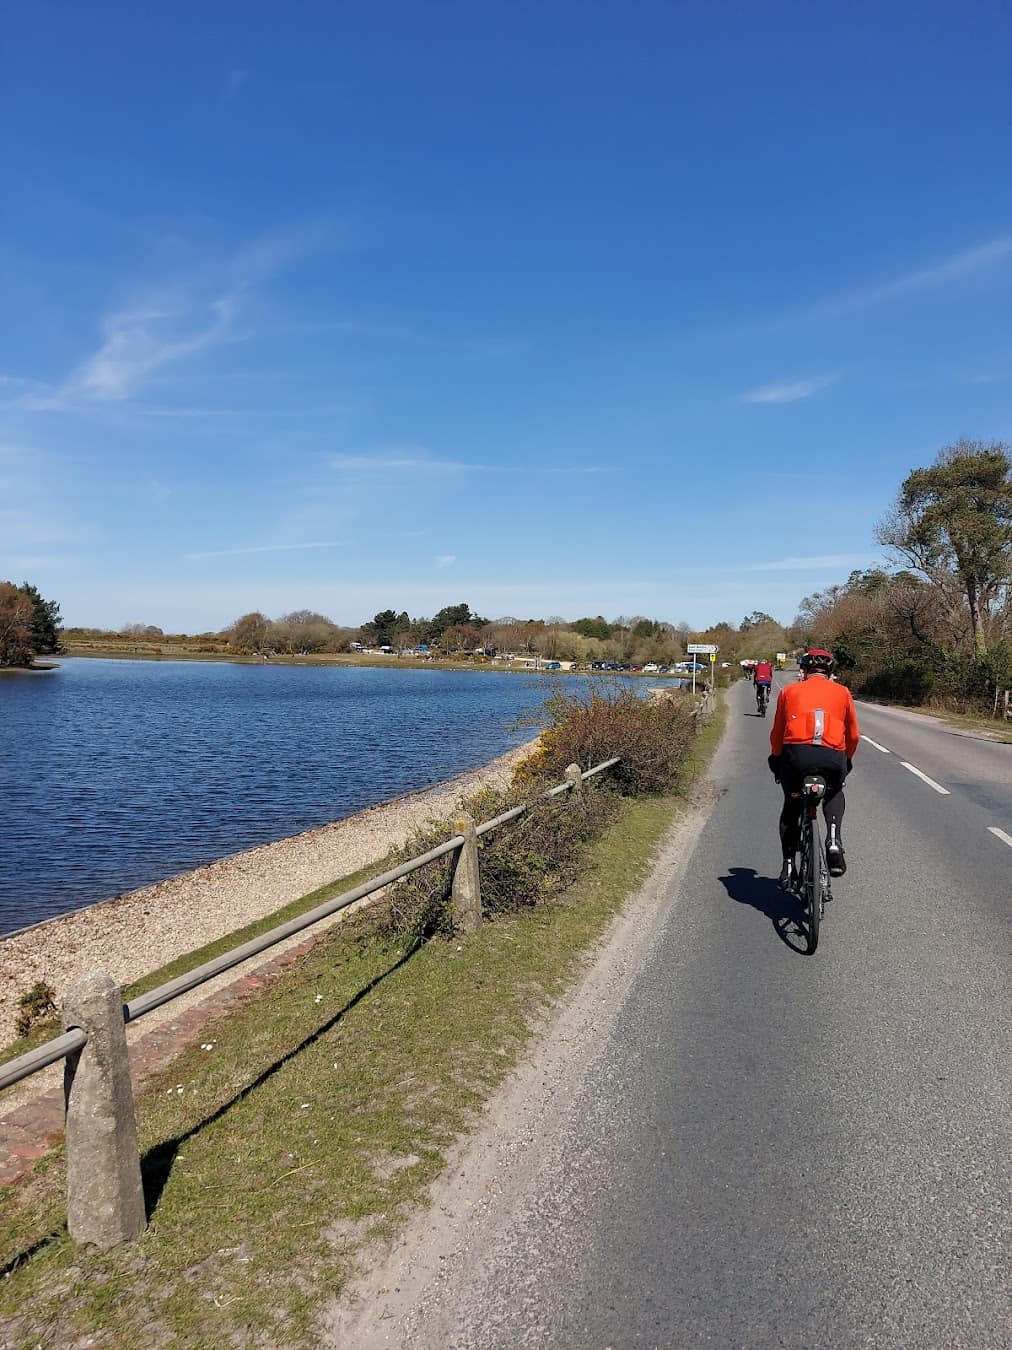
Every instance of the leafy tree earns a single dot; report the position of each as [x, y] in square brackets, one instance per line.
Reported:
[46, 626]
[460, 637]
[756, 619]
[381, 627]
[646, 628]
[251, 631]
[16, 616]
[952, 522]
[592, 628]
[454, 614]
[305, 631]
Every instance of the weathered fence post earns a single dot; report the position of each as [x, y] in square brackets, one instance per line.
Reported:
[105, 1197]
[574, 777]
[466, 889]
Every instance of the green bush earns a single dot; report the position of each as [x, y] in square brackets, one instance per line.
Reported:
[538, 855]
[652, 736]
[960, 681]
[910, 682]
[35, 1005]
[522, 863]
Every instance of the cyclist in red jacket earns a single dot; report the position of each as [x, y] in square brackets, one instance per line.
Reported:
[763, 679]
[815, 731]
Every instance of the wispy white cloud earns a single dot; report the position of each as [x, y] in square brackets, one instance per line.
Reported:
[416, 462]
[954, 268]
[948, 271]
[788, 391]
[137, 341]
[39, 503]
[400, 463]
[164, 325]
[577, 468]
[234, 81]
[263, 548]
[822, 562]
[444, 559]
[990, 377]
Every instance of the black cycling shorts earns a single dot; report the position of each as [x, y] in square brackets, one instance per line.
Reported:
[798, 761]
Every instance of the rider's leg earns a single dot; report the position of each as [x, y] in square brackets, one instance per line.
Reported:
[790, 816]
[833, 808]
[790, 824]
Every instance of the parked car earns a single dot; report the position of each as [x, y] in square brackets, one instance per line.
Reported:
[651, 668]
[690, 665]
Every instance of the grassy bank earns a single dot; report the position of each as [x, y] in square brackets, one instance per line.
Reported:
[316, 1122]
[988, 728]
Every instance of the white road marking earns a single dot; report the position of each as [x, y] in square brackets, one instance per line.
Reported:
[875, 744]
[925, 779]
[1005, 838]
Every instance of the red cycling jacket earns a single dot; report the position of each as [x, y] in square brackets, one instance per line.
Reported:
[764, 671]
[818, 711]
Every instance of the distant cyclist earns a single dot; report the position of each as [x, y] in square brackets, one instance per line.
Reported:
[815, 731]
[763, 683]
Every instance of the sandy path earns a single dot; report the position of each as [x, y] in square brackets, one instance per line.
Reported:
[142, 930]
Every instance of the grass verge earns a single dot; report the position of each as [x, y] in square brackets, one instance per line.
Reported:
[316, 1122]
[987, 728]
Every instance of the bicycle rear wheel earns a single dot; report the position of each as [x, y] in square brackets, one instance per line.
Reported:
[812, 877]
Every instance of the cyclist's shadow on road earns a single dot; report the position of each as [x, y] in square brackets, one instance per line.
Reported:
[747, 887]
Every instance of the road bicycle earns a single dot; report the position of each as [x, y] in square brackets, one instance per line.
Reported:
[813, 875]
[762, 698]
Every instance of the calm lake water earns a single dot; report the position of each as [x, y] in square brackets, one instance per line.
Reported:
[114, 774]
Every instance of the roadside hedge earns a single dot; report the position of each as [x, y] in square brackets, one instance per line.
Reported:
[538, 855]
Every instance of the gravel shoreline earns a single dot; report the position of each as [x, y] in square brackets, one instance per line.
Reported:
[138, 932]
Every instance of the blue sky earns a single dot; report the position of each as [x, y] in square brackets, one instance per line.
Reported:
[555, 308]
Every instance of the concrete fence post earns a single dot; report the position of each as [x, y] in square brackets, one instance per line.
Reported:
[105, 1197]
[574, 777]
[466, 890]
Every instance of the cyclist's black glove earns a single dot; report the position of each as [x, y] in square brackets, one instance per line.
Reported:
[774, 762]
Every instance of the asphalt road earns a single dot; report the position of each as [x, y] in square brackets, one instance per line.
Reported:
[776, 1149]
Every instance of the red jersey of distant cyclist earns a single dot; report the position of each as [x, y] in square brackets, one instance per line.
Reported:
[763, 673]
[817, 711]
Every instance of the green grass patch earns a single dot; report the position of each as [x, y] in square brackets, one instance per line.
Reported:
[702, 748]
[316, 1123]
[989, 728]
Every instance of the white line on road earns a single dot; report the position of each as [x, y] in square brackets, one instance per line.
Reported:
[875, 744]
[1005, 838]
[924, 778]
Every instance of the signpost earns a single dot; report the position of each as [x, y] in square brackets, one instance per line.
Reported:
[702, 649]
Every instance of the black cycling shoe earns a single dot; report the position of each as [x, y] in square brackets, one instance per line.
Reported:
[835, 860]
[786, 879]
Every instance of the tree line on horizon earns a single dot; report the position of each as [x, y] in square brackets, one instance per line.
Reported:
[456, 631]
